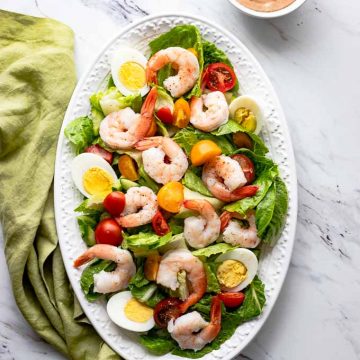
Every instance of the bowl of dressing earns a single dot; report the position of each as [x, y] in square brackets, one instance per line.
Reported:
[267, 9]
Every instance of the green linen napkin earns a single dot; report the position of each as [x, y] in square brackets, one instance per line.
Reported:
[37, 77]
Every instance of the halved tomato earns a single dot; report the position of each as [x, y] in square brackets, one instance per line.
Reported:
[166, 310]
[219, 77]
[232, 299]
[159, 224]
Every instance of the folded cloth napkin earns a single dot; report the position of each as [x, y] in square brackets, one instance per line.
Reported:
[37, 77]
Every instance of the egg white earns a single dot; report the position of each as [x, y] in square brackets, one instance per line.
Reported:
[123, 55]
[248, 102]
[116, 311]
[84, 162]
[248, 258]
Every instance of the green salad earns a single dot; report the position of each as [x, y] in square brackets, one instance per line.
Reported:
[179, 195]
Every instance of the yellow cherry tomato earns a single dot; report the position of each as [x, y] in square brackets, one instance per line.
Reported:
[127, 167]
[192, 50]
[171, 196]
[181, 114]
[203, 151]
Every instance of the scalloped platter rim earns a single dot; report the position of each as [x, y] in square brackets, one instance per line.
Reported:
[253, 80]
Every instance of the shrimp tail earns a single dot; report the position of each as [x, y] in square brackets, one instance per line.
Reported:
[215, 312]
[193, 205]
[245, 191]
[225, 218]
[83, 259]
[148, 143]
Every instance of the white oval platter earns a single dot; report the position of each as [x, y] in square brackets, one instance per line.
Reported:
[274, 262]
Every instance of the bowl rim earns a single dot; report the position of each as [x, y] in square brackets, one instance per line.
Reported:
[268, 15]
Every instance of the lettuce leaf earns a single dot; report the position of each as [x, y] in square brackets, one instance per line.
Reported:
[80, 133]
[146, 180]
[194, 182]
[87, 226]
[272, 212]
[89, 207]
[87, 277]
[212, 54]
[212, 281]
[233, 127]
[97, 114]
[219, 248]
[264, 182]
[158, 342]
[185, 36]
[145, 241]
[189, 136]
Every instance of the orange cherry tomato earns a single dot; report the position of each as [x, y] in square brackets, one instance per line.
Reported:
[171, 196]
[181, 114]
[203, 151]
[152, 130]
[128, 168]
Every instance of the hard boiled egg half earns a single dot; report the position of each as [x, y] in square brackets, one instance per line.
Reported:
[237, 269]
[125, 311]
[92, 175]
[128, 71]
[247, 112]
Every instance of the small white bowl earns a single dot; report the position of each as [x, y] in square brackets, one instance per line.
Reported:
[268, 15]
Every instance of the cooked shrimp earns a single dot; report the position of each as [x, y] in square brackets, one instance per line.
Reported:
[216, 114]
[191, 331]
[122, 129]
[140, 207]
[107, 282]
[186, 64]
[154, 151]
[238, 234]
[182, 259]
[225, 179]
[200, 231]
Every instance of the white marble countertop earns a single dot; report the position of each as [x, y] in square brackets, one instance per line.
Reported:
[312, 57]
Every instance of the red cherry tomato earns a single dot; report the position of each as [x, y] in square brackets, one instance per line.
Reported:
[166, 310]
[98, 150]
[219, 77]
[108, 231]
[247, 167]
[114, 203]
[165, 115]
[232, 299]
[159, 224]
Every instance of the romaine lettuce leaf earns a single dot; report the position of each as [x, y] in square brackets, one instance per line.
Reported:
[185, 36]
[212, 54]
[278, 213]
[212, 281]
[158, 342]
[90, 207]
[80, 133]
[87, 277]
[145, 241]
[233, 127]
[219, 248]
[189, 136]
[194, 182]
[87, 226]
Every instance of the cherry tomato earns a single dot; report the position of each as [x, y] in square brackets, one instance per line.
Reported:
[128, 168]
[108, 231]
[181, 116]
[171, 196]
[114, 203]
[242, 140]
[219, 77]
[232, 299]
[166, 310]
[165, 115]
[153, 129]
[159, 224]
[98, 150]
[247, 166]
[203, 151]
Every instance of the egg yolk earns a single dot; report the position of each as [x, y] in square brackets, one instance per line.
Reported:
[97, 182]
[246, 118]
[231, 273]
[138, 312]
[132, 75]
